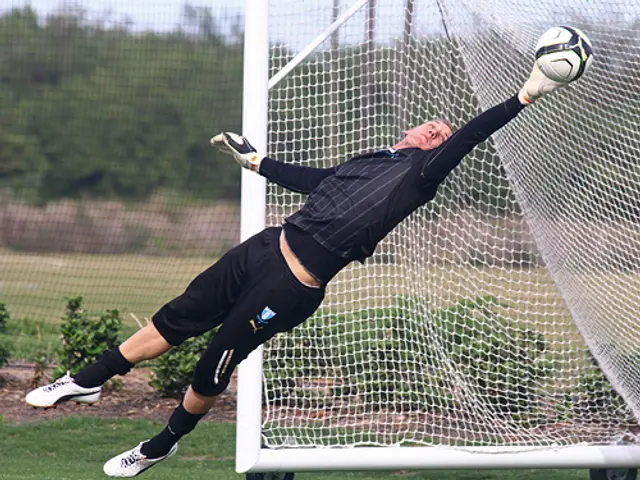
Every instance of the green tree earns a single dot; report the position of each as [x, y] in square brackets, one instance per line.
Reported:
[108, 113]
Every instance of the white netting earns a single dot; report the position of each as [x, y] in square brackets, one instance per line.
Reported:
[459, 331]
[108, 188]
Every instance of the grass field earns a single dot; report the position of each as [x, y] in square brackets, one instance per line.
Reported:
[33, 288]
[34, 285]
[76, 448]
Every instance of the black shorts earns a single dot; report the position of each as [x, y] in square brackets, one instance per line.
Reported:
[250, 291]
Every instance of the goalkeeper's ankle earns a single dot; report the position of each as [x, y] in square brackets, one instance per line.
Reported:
[110, 364]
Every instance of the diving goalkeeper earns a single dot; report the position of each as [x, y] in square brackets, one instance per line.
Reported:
[276, 279]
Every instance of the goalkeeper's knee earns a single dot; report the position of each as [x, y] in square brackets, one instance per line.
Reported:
[211, 380]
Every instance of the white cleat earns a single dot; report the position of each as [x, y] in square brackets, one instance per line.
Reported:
[133, 462]
[62, 390]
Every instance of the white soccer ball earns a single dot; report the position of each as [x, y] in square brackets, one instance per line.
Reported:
[564, 53]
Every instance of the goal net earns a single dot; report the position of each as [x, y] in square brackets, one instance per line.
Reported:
[488, 317]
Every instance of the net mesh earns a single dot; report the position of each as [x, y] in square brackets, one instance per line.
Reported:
[108, 187]
[461, 330]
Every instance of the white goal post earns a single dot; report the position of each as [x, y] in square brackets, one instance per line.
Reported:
[455, 346]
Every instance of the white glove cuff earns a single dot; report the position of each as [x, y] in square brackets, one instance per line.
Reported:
[254, 162]
[524, 100]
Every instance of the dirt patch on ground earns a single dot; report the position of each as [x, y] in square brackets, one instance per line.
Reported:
[137, 399]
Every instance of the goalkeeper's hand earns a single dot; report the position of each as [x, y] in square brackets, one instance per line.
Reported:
[239, 148]
[536, 86]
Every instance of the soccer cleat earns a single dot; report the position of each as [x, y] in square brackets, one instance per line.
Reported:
[133, 462]
[62, 390]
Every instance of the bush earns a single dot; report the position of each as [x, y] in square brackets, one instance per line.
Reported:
[393, 358]
[5, 351]
[594, 393]
[174, 370]
[505, 366]
[85, 337]
[4, 318]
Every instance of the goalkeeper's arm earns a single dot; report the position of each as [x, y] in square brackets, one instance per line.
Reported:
[453, 150]
[438, 165]
[292, 177]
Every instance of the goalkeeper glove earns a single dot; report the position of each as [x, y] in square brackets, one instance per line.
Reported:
[239, 148]
[536, 86]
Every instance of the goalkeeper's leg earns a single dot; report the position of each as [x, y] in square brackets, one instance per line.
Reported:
[86, 385]
[274, 302]
[199, 309]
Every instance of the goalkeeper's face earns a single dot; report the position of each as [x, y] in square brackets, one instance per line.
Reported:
[427, 136]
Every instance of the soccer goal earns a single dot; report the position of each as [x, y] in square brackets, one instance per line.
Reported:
[496, 327]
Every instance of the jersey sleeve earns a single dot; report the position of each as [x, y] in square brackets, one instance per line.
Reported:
[438, 165]
[294, 177]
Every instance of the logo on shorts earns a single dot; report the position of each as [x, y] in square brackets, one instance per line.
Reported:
[263, 318]
[266, 315]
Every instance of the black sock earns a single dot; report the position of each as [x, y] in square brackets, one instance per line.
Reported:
[180, 423]
[111, 363]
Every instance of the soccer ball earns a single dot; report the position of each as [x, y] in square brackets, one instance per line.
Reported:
[563, 53]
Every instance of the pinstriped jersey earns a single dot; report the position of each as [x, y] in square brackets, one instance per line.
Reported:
[352, 207]
[352, 210]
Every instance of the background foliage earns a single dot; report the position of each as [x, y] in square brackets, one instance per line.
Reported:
[85, 337]
[173, 371]
[103, 112]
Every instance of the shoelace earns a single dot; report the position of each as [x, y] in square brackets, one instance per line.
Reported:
[132, 458]
[59, 382]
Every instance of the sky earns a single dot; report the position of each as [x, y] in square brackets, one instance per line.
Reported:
[307, 18]
[145, 14]
[297, 22]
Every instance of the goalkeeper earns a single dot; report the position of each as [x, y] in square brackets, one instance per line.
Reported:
[275, 280]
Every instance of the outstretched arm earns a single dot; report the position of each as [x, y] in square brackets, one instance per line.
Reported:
[292, 177]
[451, 152]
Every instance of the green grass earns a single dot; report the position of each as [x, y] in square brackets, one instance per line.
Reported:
[76, 448]
[32, 340]
[34, 285]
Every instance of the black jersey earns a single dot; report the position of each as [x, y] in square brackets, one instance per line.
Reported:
[353, 206]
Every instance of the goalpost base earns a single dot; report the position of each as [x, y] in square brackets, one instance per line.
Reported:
[425, 458]
[594, 474]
